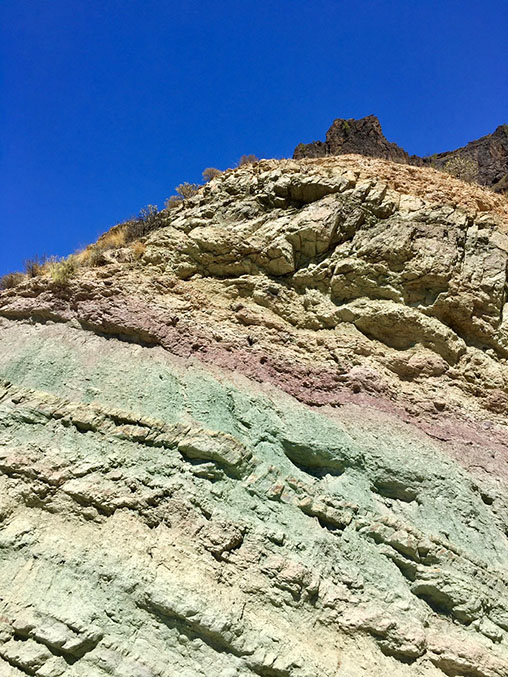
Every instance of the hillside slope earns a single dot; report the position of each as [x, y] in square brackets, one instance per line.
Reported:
[274, 444]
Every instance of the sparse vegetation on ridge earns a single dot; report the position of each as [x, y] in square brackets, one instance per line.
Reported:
[139, 227]
[126, 234]
[35, 266]
[121, 235]
[11, 280]
[62, 271]
[183, 192]
[210, 173]
[247, 160]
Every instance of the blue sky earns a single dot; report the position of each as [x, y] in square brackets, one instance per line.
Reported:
[106, 105]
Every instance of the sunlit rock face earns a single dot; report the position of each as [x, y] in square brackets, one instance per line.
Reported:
[276, 444]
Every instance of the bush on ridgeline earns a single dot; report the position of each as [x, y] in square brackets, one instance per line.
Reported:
[35, 266]
[11, 280]
[247, 160]
[173, 201]
[186, 190]
[145, 222]
[183, 192]
[61, 271]
[210, 173]
[148, 213]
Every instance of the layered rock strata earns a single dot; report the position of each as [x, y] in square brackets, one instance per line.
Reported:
[274, 445]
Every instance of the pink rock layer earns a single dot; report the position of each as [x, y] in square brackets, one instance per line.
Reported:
[478, 444]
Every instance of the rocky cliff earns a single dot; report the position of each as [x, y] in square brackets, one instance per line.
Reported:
[484, 161]
[274, 443]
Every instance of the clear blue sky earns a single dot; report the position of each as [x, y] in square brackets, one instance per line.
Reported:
[106, 105]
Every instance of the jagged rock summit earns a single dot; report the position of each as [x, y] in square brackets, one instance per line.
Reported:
[363, 136]
[270, 439]
[486, 159]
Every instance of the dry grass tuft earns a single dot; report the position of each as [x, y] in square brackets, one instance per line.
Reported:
[61, 272]
[93, 255]
[114, 238]
[138, 249]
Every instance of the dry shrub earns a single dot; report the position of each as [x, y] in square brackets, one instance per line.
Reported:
[113, 239]
[35, 266]
[186, 190]
[183, 192]
[173, 201]
[11, 280]
[93, 257]
[143, 224]
[138, 249]
[120, 236]
[148, 213]
[247, 160]
[210, 173]
[135, 229]
[62, 271]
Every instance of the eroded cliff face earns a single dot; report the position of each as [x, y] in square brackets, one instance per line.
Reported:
[275, 445]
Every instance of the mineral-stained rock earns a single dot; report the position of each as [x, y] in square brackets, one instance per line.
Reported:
[275, 445]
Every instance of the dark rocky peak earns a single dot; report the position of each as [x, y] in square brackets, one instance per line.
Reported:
[484, 161]
[363, 136]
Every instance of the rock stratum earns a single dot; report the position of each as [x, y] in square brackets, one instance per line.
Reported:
[484, 161]
[274, 445]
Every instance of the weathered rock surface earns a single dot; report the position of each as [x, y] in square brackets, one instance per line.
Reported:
[486, 158]
[276, 445]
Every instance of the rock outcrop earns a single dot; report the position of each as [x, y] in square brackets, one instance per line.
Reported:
[276, 444]
[484, 161]
[363, 136]
[488, 156]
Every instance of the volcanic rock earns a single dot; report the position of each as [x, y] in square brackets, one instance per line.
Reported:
[363, 136]
[484, 161]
